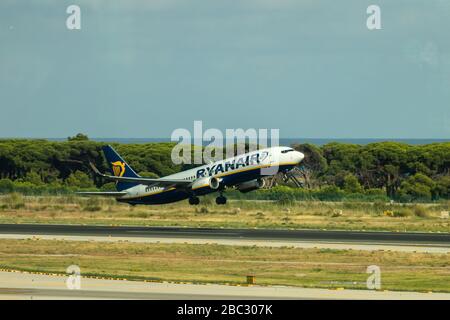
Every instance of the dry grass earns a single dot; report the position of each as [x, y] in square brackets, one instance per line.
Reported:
[239, 214]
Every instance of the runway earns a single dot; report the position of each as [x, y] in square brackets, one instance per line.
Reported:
[16, 285]
[411, 238]
[357, 240]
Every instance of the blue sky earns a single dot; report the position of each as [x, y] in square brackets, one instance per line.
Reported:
[144, 68]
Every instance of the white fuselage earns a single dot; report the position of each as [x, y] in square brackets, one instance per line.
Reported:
[230, 172]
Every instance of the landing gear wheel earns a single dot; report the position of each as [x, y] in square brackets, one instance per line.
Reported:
[221, 200]
[194, 201]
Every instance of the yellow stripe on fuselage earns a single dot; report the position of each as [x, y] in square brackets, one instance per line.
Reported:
[205, 185]
[254, 168]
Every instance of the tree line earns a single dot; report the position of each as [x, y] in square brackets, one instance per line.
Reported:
[402, 171]
[397, 170]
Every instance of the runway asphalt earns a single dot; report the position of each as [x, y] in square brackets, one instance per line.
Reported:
[411, 238]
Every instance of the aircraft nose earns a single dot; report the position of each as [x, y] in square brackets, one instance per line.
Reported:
[299, 156]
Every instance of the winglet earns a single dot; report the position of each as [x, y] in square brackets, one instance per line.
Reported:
[94, 168]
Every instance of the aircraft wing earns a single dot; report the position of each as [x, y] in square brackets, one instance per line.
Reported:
[147, 181]
[104, 194]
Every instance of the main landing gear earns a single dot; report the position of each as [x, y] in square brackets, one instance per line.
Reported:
[194, 200]
[221, 200]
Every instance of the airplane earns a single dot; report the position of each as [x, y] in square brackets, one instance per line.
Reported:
[243, 172]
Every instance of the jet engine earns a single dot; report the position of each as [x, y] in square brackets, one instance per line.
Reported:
[251, 185]
[211, 182]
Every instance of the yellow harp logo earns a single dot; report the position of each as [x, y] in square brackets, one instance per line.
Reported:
[118, 168]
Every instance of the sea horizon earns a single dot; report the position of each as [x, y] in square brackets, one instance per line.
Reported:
[282, 141]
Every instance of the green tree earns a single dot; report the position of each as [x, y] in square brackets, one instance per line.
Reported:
[78, 137]
[110, 186]
[351, 184]
[313, 165]
[6, 186]
[443, 187]
[147, 174]
[417, 187]
[34, 178]
[79, 179]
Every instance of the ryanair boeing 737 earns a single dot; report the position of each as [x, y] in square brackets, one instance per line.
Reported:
[243, 172]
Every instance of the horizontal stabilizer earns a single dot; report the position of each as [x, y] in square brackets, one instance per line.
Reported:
[146, 181]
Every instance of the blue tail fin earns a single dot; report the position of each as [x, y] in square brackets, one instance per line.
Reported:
[119, 168]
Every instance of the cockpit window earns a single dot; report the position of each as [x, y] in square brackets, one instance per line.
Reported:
[287, 150]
